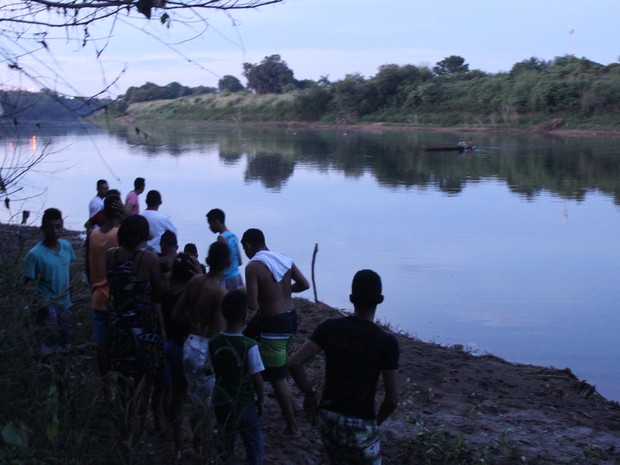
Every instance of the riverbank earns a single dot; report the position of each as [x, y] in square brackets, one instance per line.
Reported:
[456, 408]
[135, 121]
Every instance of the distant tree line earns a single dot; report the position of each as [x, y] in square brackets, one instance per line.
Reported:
[407, 93]
[19, 105]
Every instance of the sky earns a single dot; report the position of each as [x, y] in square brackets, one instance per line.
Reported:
[326, 38]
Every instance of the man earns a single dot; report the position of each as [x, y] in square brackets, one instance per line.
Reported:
[158, 221]
[217, 223]
[356, 352]
[96, 203]
[49, 263]
[200, 306]
[132, 204]
[98, 241]
[270, 279]
[100, 218]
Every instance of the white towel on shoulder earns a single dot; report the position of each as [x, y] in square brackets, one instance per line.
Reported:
[277, 263]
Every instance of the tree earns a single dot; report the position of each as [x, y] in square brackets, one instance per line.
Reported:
[451, 66]
[31, 29]
[229, 83]
[271, 76]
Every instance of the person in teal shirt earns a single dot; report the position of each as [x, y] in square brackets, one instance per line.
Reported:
[48, 263]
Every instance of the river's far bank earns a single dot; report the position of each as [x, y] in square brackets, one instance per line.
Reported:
[456, 408]
[138, 121]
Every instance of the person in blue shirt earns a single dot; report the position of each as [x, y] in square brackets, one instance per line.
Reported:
[48, 263]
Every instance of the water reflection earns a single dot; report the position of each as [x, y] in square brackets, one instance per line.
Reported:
[568, 167]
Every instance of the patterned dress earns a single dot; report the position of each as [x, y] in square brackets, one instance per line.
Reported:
[136, 345]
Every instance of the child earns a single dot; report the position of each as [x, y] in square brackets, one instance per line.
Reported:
[49, 262]
[237, 365]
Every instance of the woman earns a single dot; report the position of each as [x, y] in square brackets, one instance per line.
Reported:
[136, 345]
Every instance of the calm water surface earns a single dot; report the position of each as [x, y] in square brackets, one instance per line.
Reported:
[513, 250]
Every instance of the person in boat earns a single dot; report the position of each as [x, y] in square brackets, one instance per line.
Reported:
[461, 145]
[469, 146]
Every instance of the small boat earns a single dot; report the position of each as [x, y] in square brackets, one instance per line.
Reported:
[452, 148]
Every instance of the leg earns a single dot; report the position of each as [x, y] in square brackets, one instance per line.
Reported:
[251, 435]
[226, 421]
[285, 400]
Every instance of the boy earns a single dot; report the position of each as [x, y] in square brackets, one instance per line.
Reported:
[357, 351]
[49, 262]
[200, 306]
[217, 223]
[238, 395]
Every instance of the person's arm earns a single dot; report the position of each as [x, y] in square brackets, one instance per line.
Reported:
[392, 394]
[87, 254]
[300, 283]
[296, 368]
[182, 309]
[151, 260]
[170, 226]
[251, 286]
[257, 382]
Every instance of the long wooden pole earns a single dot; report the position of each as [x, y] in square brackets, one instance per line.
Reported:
[316, 250]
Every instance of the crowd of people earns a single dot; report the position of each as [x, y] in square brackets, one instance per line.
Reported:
[171, 332]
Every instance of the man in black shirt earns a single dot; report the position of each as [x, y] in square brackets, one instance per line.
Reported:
[357, 351]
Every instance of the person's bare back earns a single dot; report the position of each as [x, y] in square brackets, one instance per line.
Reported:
[201, 302]
[206, 313]
[266, 294]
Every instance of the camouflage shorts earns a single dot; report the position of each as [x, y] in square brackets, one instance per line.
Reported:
[350, 440]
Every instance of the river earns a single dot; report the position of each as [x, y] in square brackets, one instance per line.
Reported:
[511, 250]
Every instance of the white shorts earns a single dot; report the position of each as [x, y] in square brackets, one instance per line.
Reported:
[200, 377]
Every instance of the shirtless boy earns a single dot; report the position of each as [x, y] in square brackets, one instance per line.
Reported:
[201, 306]
[270, 279]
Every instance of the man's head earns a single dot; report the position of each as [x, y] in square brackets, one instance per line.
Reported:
[235, 307]
[153, 199]
[252, 241]
[102, 188]
[168, 242]
[134, 230]
[217, 220]
[366, 290]
[113, 205]
[51, 224]
[218, 258]
[182, 268]
[138, 185]
[191, 249]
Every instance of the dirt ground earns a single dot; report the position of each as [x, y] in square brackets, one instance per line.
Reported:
[455, 407]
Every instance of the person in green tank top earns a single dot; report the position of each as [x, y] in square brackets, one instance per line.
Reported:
[238, 395]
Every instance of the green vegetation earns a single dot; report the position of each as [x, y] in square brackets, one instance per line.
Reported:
[20, 105]
[583, 93]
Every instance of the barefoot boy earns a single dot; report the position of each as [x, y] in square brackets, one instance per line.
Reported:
[200, 305]
[271, 278]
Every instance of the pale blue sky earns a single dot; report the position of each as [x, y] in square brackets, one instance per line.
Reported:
[337, 37]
